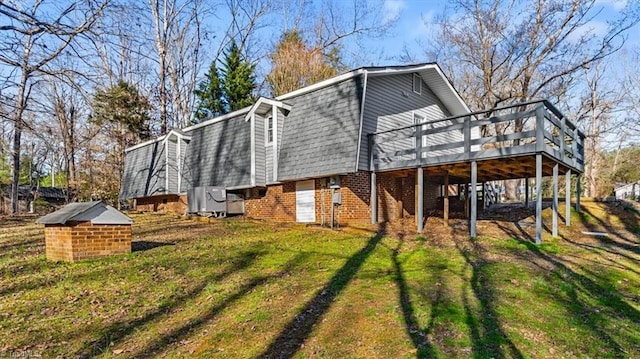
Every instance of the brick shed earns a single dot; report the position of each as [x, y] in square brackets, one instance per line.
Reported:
[86, 230]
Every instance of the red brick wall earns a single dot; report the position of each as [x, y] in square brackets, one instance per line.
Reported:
[278, 203]
[396, 199]
[162, 203]
[77, 241]
[58, 243]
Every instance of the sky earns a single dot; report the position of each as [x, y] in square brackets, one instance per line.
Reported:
[415, 22]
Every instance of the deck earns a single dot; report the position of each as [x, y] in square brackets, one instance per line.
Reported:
[503, 141]
[525, 140]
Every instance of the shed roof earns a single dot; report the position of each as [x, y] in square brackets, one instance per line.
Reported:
[97, 212]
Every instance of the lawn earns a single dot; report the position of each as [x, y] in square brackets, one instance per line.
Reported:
[241, 289]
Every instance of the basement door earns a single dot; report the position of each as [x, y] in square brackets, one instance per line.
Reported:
[305, 201]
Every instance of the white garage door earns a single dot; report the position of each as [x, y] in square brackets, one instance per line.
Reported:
[305, 201]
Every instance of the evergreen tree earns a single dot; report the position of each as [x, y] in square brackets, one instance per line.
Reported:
[122, 111]
[209, 92]
[238, 79]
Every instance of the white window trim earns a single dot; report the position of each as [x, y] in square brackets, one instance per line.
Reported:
[266, 130]
[416, 79]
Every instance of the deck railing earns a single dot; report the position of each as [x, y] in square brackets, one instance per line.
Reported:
[520, 129]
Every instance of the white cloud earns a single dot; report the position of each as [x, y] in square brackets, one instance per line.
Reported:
[392, 9]
[615, 4]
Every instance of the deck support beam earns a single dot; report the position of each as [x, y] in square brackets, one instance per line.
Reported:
[567, 199]
[374, 199]
[446, 199]
[578, 179]
[420, 199]
[555, 201]
[400, 202]
[474, 199]
[538, 199]
[526, 192]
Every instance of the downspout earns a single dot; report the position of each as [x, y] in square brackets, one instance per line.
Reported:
[166, 165]
[364, 95]
[253, 149]
[274, 115]
[178, 153]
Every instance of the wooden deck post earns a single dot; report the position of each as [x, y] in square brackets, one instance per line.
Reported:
[578, 179]
[446, 198]
[474, 198]
[526, 192]
[567, 199]
[374, 199]
[400, 203]
[420, 199]
[538, 199]
[555, 201]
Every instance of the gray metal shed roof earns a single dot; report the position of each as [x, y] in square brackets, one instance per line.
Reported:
[97, 212]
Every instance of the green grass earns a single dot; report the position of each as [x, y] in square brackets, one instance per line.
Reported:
[237, 288]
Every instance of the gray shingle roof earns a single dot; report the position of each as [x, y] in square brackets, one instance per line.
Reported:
[97, 212]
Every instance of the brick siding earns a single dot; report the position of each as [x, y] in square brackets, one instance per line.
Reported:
[278, 202]
[163, 203]
[77, 241]
[396, 199]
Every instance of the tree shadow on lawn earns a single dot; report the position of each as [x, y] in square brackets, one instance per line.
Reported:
[34, 272]
[419, 337]
[624, 243]
[487, 335]
[116, 332]
[178, 334]
[577, 290]
[288, 342]
[139, 246]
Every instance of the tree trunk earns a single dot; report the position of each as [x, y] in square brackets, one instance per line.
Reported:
[15, 168]
[17, 138]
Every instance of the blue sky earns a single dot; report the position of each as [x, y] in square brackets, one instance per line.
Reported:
[416, 22]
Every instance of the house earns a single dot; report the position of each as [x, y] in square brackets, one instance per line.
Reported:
[627, 190]
[373, 144]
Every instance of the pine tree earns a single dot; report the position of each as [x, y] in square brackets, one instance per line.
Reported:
[122, 109]
[121, 113]
[211, 96]
[238, 79]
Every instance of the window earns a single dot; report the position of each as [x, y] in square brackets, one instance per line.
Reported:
[417, 84]
[268, 130]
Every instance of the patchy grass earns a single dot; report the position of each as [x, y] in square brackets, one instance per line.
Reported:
[237, 288]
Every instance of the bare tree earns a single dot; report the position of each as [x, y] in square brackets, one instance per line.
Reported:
[178, 33]
[504, 51]
[31, 36]
[596, 113]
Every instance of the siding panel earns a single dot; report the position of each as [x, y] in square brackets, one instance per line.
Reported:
[320, 134]
[260, 151]
[183, 154]
[172, 165]
[220, 154]
[390, 104]
[144, 172]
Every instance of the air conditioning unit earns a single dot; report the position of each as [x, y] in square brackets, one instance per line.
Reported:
[214, 200]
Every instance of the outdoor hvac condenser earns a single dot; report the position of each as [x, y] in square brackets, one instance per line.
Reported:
[214, 200]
